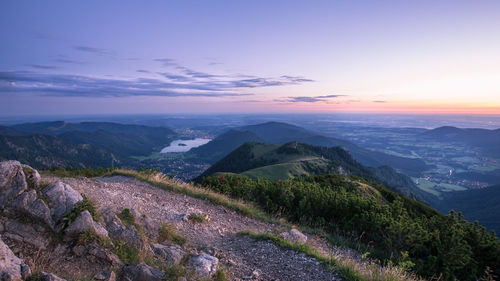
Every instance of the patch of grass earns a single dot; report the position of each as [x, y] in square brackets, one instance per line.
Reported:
[126, 253]
[28, 175]
[174, 272]
[126, 217]
[168, 233]
[79, 207]
[74, 173]
[89, 236]
[35, 276]
[220, 275]
[197, 218]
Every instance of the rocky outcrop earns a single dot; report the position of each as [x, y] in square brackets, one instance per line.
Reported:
[10, 265]
[95, 253]
[12, 181]
[32, 176]
[83, 223]
[27, 233]
[204, 265]
[117, 230]
[28, 203]
[141, 272]
[294, 236]
[171, 254]
[61, 198]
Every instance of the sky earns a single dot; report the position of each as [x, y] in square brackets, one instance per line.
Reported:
[134, 57]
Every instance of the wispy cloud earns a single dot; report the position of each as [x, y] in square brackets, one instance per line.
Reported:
[93, 50]
[379, 101]
[42, 66]
[325, 98]
[166, 61]
[182, 81]
[68, 61]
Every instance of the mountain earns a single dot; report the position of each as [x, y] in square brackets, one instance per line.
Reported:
[222, 145]
[59, 127]
[8, 131]
[46, 152]
[486, 140]
[280, 133]
[482, 205]
[281, 162]
[81, 144]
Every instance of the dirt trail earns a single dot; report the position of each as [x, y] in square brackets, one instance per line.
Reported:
[243, 257]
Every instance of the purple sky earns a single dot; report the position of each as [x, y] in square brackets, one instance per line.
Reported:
[99, 57]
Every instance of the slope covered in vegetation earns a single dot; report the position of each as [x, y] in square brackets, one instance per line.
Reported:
[401, 229]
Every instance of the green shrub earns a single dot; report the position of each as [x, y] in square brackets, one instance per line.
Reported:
[126, 217]
[197, 218]
[168, 233]
[79, 207]
[404, 231]
[126, 253]
[89, 236]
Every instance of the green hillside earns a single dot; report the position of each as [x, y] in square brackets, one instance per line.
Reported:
[281, 162]
[482, 205]
[397, 229]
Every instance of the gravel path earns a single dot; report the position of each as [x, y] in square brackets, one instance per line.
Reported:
[243, 257]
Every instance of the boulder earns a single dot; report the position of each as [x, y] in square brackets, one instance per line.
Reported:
[32, 176]
[141, 272]
[82, 223]
[26, 233]
[149, 226]
[62, 198]
[50, 277]
[294, 236]
[172, 254]
[12, 181]
[36, 208]
[10, 265]
[203, 265]
[127, 234]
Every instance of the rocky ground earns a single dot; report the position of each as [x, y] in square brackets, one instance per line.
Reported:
[35, 225]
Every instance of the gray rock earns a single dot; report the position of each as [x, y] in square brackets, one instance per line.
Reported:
[12, 181]
[26, 233]
[32, 176]
[50, 277]
[104, 255]
[82, 223]
[127, 234]
[29, 204]
[150, 227]
[105, 276]
[141, 272]
[10, 265]
[172, 254]
[294, 236]
[25, 271]
[62, 198]
[203, 265]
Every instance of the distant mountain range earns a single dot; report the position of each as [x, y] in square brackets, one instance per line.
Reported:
[280, 133]
[77, 145]
[281, 162]
[487, 140]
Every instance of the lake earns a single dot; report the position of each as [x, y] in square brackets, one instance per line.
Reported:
[184, 145]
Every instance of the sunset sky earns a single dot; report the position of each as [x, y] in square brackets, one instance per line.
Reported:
[127, 57]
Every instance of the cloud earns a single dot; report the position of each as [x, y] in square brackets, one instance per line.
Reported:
[182, 81]
[68, 61]
[86, 86]
[92, 50]
[42, 66]
[166, 62]
[325, 98]
[380, 101]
